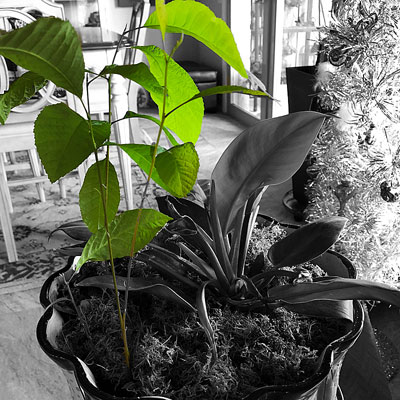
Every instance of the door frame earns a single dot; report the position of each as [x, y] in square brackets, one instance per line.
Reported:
[268, 65]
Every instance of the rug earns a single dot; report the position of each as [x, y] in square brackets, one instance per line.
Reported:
[33, 221]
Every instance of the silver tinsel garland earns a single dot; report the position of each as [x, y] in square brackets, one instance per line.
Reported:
[357, 168]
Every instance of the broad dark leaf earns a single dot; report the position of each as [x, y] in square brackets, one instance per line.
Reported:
[307, 242]
[185, 207]
[324, 308]
[329, 288]
[183, 226]
[153, 287]
[267, 153]
[74, 250]
[77, 230]
[203, 315]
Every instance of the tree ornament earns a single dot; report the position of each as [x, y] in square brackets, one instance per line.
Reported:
[390, 193]
[367, 137]
[344, 192]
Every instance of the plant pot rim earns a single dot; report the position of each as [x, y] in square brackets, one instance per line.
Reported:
[72, 363]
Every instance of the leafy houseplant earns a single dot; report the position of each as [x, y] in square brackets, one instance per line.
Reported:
[202, 266]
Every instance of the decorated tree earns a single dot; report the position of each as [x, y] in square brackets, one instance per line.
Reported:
[357, 169]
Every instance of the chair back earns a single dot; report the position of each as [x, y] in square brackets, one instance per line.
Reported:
[46, 7]
[15, 14]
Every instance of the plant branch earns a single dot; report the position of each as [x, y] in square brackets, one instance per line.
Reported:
[152, 165]
[106, 227]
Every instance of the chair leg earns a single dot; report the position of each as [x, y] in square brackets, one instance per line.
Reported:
[121, 130]
[5, 222]
[82, 169]
[6, 189]
[13, 159]
[63, 192]
[33, 157]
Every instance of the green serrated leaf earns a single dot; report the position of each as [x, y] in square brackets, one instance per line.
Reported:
[139, 73]
[178, 167]
[51, 48]
[186, 121]
[161, 16]
[121, 235]
[90, 200]
[142, 155]
[63, 139]
[19, 92]
[197, 20]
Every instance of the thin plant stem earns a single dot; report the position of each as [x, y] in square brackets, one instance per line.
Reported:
[152, 165]
[108, 235]
[81, 316]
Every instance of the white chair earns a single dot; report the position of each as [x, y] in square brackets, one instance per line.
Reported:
[17, 133]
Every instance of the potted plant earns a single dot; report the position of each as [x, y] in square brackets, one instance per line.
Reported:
[209, 280]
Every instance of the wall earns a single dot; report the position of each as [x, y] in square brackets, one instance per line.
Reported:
[115, 18]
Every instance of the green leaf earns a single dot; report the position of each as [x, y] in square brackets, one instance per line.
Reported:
[186, 121]
[142, 155]
[19, 92]
[178, 167]
[139, 73]
[197, 20]
[51, 48]
[153, 287]
[267, 153]
[329, 288]
[121, 234]
[161, 16]
[90, 200]
[307, 242]
[168, 134]
[101, 132]
[63, 139]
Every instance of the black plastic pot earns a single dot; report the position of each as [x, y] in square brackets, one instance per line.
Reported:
[323, 385]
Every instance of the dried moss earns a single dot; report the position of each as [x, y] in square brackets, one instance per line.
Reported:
[171, 357]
